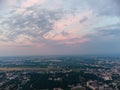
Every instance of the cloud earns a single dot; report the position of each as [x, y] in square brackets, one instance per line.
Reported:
[69, 30]
[58, 24]
[47, 25]
[83, 20]
[108, 7]
[30, 3]
[34, 25]
[112, 31]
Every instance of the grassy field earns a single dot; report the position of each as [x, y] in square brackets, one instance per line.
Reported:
[26, 68]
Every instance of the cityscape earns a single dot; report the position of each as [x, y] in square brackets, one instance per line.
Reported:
[60, 73]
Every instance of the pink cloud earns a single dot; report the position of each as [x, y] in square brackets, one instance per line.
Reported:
[27, 40]
[75, 31]
[71, 20]
[30, 3]
[67, 39]
[81, 40]
[20, 41]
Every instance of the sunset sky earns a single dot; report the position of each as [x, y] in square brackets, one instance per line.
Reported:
[59, 27]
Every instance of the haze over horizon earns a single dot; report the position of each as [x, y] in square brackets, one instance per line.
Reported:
[70, 27]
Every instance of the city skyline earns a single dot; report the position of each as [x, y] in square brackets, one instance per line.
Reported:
[59, 27]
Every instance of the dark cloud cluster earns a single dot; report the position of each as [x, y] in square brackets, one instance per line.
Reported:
[35, 24]
[83, 20]
[111, 30]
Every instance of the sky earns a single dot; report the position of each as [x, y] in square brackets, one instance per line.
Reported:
[59, 27]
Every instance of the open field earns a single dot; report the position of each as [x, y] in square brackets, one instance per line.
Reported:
[24, 69]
